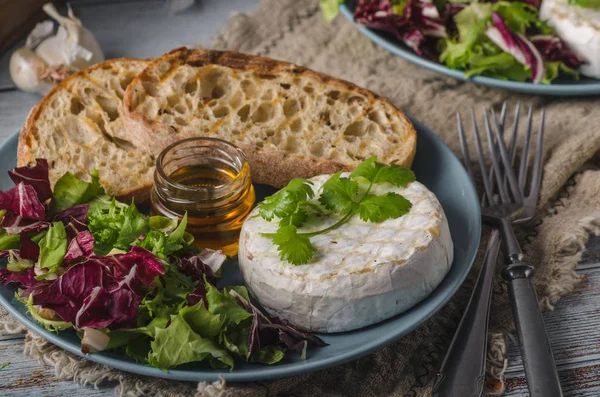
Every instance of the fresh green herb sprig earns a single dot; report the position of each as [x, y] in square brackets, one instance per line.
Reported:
[340, 196]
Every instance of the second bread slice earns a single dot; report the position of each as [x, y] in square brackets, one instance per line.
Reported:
[290, 121]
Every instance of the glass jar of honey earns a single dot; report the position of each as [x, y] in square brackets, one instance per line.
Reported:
[210, 179]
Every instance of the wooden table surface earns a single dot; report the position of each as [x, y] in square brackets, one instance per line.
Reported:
[144, 28]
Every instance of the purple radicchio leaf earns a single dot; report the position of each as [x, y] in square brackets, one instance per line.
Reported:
[553, 49]
[264, 328]
[206, 263]
[23, 279]
[197, 295]
[23, 201]
[36, 176]
[148, 265]
[503, 38]
[88, 295]
[80, 247]
[77, 212]
[28, 249]
[24, 211]
[517, 45]
[419, 26]
[533, 58]
[117, 308]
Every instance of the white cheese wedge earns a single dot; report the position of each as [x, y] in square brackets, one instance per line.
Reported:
[362, 272]
[578, 27]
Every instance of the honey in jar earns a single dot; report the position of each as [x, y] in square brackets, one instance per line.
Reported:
[210, 179]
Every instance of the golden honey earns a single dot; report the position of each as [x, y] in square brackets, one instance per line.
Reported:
[210, 179]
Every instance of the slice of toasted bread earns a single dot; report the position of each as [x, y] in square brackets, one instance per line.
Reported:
[290, 121]
[78, 127]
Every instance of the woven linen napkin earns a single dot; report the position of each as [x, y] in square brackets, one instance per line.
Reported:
[569, 209]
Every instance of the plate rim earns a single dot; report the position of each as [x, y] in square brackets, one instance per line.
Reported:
[523, 87]
[263, 372]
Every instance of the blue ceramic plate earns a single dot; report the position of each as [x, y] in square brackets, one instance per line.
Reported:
[435, 166]
[566, 86]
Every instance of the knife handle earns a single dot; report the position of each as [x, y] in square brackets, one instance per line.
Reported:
[463, 371]
[540, 369]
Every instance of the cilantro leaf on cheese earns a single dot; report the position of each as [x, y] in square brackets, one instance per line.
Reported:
[293, 247]
[342, 196]
[339, 193]
[375, 172]
[286, 201]
[380, 208]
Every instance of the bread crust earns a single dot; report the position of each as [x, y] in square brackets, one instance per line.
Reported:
[140, 192]
[271, 167]
[27, 131]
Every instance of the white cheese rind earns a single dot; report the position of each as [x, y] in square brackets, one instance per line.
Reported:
[578, 27]
[362, 272]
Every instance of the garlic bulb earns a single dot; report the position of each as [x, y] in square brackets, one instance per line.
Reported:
[25, 70]
[49, 58]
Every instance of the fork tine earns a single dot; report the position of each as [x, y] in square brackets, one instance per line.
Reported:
[536, 177]
[513, 142]
[513, 138]
[463, 147]
[495, 163]
[502, 121]
[508, 171]
[525, 153]
[486, 185]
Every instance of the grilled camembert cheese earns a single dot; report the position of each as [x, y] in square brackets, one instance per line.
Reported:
[362, 272]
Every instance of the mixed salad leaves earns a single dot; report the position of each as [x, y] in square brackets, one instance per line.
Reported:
[82, 260]
[500, 39]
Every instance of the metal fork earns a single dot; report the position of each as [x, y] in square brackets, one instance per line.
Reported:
[463, 371]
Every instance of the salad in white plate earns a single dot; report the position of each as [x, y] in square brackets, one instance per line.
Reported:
[501, 39]
[577, 22]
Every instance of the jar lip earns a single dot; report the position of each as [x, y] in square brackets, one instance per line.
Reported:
[180, 186]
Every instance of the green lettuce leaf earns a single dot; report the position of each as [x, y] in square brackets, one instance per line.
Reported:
[162, 223]
[268, 355]
[176, 236]
[114, 225]
[203, 322]
[223, 303]
[593, 4]
[16, 264]
[235, 339]
[163, 245]
[70, 191]
[471, 23]
[9, 242]
[555, 69]
[517, 15]
[53, 248]
[329, 8]
[50, 325]
[178, 344]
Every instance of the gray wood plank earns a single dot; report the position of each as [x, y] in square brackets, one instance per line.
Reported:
[24, 376]
[578, 381]
[573, 326]
[133, 29]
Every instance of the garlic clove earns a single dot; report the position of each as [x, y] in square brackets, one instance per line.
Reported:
[93, 340]
[40, 32]
[25, 70]
[73, 45]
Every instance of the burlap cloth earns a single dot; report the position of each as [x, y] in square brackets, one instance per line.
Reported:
[569, 212]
